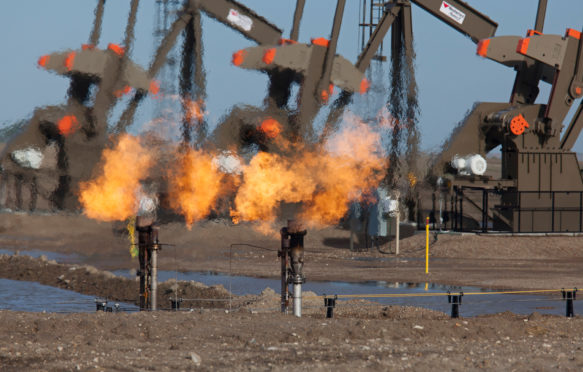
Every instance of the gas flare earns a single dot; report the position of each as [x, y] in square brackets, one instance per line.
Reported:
[269, 180]
[351, 165]
[325, 180]
[195, 185]
[112, 196]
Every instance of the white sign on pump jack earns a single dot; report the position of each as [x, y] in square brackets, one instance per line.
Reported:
[452, 12]
[240, 20]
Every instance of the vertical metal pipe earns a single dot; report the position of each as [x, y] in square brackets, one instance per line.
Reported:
[154, 279]
[298, 300]
[143, 238]
[296, 253]
[283, 254]
[155, 248]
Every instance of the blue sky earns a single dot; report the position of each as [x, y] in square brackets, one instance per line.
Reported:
[450, 76]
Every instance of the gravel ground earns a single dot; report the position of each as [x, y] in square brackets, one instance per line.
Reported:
[393, 338]
[254, 336]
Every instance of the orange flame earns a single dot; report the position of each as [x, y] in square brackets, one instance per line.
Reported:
[270, 127]
[194, 185]
[113, 194]
[269, 180]
[324, 180]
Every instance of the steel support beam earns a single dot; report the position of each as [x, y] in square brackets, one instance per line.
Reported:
[461, 17]
[96, 32]
[407, 29]
[167, 43]
[363, 61]
[295, 32]
[574, 129]
[240, 18]
[186, 81]
[577, 83]
[331, 51]
[127, 117]
[130, 27]
[540, 16]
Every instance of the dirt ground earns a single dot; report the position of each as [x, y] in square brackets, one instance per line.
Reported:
[253, 336]
[377, 339]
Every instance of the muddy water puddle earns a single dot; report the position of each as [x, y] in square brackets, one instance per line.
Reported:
[472, 305]
[28, 296]
[34, 297]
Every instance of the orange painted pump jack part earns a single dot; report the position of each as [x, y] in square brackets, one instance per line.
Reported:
[239, 57]
[573, 33]
[269, 55]
[518, 125]
[522, 46]
[116, 49]
[70, 60]
[483, 45]
[43, 60]
[321, 42]
[68, 124]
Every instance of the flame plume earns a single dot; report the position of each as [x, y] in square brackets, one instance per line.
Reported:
[112, 196]
[195, 185]
[324, 180]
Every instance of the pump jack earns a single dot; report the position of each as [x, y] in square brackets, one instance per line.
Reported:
[540, 185]
[540, 188]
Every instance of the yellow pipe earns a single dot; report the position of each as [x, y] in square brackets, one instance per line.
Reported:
[400, 295]
[427, 246]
